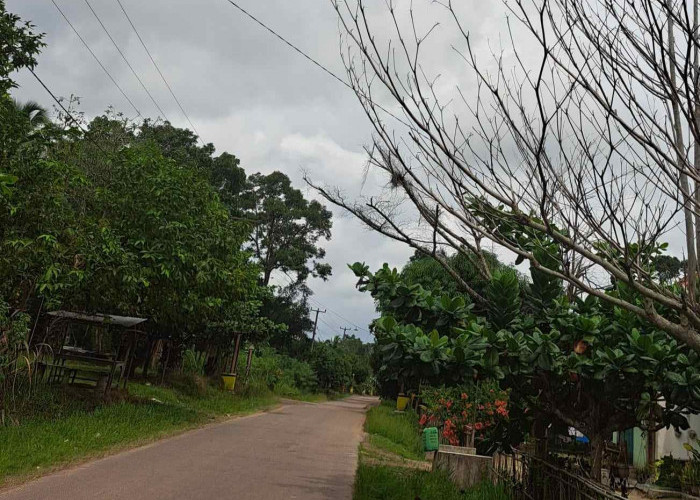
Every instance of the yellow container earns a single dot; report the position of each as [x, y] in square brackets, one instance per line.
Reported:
[402, 402]
[229, 381]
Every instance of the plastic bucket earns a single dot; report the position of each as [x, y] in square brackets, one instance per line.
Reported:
[402, 402]
[229, 381]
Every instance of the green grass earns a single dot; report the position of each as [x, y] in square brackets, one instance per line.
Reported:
[395, 432]
[62, 426]
[397, 483]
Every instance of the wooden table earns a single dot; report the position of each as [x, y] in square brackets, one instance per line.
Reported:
[70, 353]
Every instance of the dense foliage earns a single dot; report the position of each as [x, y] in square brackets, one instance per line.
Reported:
[142, 219]
[466, 415]
[572, 361]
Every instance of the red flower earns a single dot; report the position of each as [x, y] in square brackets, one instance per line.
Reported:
[464, 395]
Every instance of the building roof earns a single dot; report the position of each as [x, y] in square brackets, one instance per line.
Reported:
[98, 318]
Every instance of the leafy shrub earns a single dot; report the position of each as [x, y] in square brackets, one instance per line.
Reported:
[670, 471]
[192, 364]
[13, 350]
[369, 387]
[279, 373]
[690, 477]
[462, 411]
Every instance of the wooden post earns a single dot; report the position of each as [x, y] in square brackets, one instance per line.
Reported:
[249, 361]
[236, 350]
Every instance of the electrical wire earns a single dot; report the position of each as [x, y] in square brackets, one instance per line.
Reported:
[162, 76]
[97, 59]
[121, 53]
[339, 315]
[320, 304]
[66, 111]
[314, 61]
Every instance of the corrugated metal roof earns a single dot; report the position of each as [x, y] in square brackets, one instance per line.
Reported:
[106, 319]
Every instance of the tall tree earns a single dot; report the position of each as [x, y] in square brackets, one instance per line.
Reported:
[287, 228]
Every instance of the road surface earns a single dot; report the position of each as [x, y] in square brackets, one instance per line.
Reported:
[303, 451]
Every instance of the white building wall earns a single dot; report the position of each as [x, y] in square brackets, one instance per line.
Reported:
[670, 443]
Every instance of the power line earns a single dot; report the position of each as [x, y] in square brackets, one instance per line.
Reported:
[346, 329]
[165, 81]
[319, 303]
[125, 59]
[340, 315]
[314, 61]
[97, 59]
[66, 111]
[313, 336]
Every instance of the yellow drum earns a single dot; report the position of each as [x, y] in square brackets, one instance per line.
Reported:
[229, 381]
[402, 402]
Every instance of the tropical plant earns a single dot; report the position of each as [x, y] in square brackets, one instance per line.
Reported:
[581, 363]
[14, 352]
[466, 414]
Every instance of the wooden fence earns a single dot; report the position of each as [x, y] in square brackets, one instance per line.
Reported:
[530, 478]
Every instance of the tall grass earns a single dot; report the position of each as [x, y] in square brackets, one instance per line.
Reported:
[395, 432]
[397, 483]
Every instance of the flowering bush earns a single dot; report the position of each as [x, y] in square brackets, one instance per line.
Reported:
[464, 414]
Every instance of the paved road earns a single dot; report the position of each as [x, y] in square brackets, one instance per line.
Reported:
[304, 451]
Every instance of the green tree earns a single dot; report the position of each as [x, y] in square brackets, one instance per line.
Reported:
[287, 228]
[35, 113]
[579, 363]
[668, 267]
[19, 46]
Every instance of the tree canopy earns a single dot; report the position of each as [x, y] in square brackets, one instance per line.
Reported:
[287, 228]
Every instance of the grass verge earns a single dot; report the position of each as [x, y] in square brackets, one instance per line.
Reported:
[64, 427]
[377, 482]
[397, 433]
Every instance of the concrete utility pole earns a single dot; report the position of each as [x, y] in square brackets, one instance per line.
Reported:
[345, 330]
[313, 336]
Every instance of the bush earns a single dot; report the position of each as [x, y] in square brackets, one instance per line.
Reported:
[670, 471]
[193, 363]
[279, 373]
[462, 411]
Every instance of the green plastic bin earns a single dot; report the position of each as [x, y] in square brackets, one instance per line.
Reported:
[430, 439]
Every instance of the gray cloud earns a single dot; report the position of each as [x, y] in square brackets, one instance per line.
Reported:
[251, 95]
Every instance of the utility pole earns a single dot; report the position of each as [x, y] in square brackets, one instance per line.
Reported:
[345, 330]
[313, 336]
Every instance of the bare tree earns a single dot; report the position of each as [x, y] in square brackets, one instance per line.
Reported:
[585, 148]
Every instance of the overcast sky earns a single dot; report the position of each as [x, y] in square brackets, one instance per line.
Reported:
[244, 90]
[251, 95]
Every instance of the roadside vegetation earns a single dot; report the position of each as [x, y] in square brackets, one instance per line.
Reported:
[394, 432]
[392, 463]
[142, 219]
[63, 426]
[379, 482]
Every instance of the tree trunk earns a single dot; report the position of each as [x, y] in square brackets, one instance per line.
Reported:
[686, 194]
[539, 430]
[597, 445]
[266, 277]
